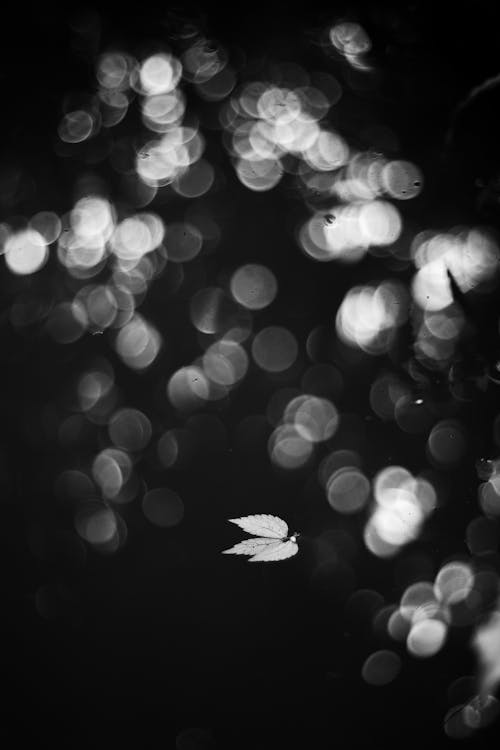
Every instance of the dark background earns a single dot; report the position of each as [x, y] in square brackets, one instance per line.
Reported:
[168, 635]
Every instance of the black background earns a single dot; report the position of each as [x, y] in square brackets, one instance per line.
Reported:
[169, 635]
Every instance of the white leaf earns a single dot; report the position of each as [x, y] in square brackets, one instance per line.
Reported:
[271, 542]
[250, 546]
[262, 525]
[276, 551]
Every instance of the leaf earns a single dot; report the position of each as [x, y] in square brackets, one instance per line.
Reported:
[262, 525]
[250, 546]
[273, 542]
[276, 551]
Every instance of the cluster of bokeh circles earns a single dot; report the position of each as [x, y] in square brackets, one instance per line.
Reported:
[109, 255]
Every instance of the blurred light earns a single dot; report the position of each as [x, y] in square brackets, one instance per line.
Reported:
[398, 626]
[389, 478]
[249, 95]
[92, 386]
[163, 507]
[375, 543]
[380, 222]
[188, 388]
[113, 107]
[112, 70]
[381, 668]
[288, 449]
[341, 240]
[48, 224]
[278, 403]
[364, 175]
[81, 257]
[278, 104]
[399, 522]
[423, 492]
[446, 443]
[138, 343]
[175, 448]
[183, 242]
[254, 286]
[163, 111]
[95, 523]
[348, 490]
[385, 393]
[259, 175]
[213, 312]
[472, 257]
[426, 638]
[316, 419]
[111, 469]
[454, 725]
[350, 38]
[196, 181]
[419, 602]
[327, 152]
[274, 349]
[77, 126]
[368, 316]
[67, 322]
[225, 362]
[339, 459]
[412, 415]
[130, 429]
[453, 583]
[161, 161]
[380, 621]
[202, 61]
[133, 278]
[401, 179]
[431, 288]
[316, 102]
[489, 498]
[73, 485]
[485, 467]
[136, 236]
[100, 304]
[397, 519]
[92, 219]
[486, 643]
[25, 252]
[5, 231]
[481, 711]
[160, 73]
